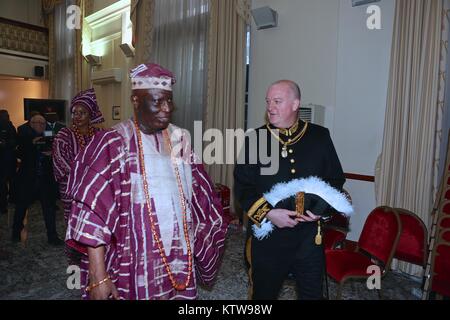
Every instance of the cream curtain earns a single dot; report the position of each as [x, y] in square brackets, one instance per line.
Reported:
[89, 7]
[226, 74]
[65, 58]
[48, 9]
[407, 175]
[444, 103]
[78, 56]
[142, 12]
[180, 44]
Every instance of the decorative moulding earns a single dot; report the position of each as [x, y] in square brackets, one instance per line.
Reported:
[108, 76]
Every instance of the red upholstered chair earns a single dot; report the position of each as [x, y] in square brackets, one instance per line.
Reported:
[333, 238]
[440, 264]
[376, 246]
[444, 222]
[445, 208]
[335, 230]
[447, 195]
[412, 246]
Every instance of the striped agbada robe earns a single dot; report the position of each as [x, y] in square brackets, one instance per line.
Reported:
[65, 148]
[109, 209]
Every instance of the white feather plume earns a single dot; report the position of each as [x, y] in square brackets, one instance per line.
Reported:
[313, 185]
[263, 231]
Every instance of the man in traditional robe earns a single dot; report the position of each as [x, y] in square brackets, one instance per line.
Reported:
[306, 150]
[150, 225]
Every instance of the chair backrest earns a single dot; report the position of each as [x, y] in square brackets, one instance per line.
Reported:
[444, 222]
[412, 246]
[333, 238]
[447, 195]
[440, 264]
[380, 234]
[444, 208]
[336, 228]
[338, 221]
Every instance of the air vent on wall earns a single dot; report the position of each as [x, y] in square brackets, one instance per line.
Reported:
[313, 113]
[113, 75]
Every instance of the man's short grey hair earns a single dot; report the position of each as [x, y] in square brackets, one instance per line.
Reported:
[294, 87]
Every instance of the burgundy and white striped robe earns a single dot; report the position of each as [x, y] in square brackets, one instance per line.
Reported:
[108, 209]
[65, 148]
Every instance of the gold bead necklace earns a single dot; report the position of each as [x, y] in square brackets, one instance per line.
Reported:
[177, 286]
[80, 138]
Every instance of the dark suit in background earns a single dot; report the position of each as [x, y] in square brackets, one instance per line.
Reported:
[8, 141]
[34, 181]
[54, 127]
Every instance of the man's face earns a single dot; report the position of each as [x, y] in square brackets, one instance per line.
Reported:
[153, 108]
[38, 123]
[80, 116]
[281, 105]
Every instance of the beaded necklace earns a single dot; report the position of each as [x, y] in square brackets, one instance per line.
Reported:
[80, 137]
[177, 286]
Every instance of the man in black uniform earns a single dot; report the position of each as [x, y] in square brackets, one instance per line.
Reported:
[305, 150]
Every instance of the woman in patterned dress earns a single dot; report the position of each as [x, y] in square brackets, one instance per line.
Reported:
[71, 140]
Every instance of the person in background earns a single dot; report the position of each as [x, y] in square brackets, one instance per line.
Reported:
[8, 141]
[53, 123]
[51, 130]
[35, 178]
[69, 142]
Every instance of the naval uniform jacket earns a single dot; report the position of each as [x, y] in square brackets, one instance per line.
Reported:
[313, 155]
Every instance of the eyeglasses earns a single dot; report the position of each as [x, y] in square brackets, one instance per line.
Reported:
[81, 113]
[39, 122]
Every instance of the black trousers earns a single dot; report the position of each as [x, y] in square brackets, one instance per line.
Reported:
[4, 190]
[6, 186]
[287, 250]
[43, 191]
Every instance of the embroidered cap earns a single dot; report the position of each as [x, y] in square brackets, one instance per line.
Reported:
[151, 76]
[88, 99]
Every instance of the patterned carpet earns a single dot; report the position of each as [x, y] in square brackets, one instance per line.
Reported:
[38, 271]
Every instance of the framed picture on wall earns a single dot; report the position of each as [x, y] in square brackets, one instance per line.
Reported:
[116, 112]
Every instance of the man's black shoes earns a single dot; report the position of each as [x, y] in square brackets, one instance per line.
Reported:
[55, 242]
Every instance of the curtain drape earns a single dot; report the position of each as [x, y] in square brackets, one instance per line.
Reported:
[408, 163]
[180, 44]
[444, 104]
[141, 15]
[226, 74]
[65, 58]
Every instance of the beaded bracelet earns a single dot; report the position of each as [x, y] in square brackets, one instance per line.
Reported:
[92, 286]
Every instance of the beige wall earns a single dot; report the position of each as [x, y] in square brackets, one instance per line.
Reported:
[28, 11]
[101, 4]
[13, 91]
[19, 67]
[361, 93]
[302, 48]
[105, 39]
